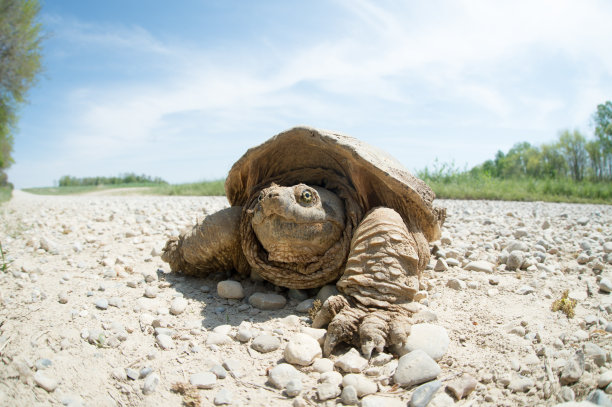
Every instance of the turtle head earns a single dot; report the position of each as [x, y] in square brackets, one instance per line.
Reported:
[297, 223]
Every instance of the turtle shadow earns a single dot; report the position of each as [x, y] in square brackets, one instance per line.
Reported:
[217, 311]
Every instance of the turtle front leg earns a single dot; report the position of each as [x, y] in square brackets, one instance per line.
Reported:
[380, 281]
[211, 245]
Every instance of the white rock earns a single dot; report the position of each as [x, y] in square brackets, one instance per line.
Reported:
[604, 379]
[605, 285]
[480, 265]
[351, 362]
[178, 305]
[46, 382]
[282, 374]
[203, 380]
[362, 384]
[265, 343]
[378, 401]
[432, 339]
[456, 284]
[150, 383]
[165, 342]
[327, 391]
[302, 350]
[323, 365]
[230, 289]
[215, 338]
[415, 368]
[318, 334]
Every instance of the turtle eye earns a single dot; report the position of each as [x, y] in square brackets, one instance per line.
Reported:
[261, 196]
[306, 196]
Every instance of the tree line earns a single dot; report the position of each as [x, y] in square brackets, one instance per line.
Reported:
[20, 62]
[129, 178]
[570, 156]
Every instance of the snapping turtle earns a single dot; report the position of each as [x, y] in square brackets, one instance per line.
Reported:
[311, 207]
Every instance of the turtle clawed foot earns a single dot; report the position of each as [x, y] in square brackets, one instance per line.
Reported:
[369, 329]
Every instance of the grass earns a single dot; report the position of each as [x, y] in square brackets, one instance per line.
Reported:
[5, 194]
[205, 188]
[469, 186]
[447, 185]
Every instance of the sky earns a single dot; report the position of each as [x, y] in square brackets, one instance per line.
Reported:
[180, 90]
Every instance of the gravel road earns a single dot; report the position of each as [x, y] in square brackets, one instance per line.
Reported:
[90, 316]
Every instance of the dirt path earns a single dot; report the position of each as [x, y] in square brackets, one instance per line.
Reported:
[88, 315]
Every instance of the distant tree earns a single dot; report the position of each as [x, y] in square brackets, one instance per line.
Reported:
[553, 164]
[573, 147]
[602, 120]
[20, 63]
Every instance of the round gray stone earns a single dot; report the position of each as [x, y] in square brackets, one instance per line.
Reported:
[423, 394]
[230, 289]
[150, 383]
[265, 343]
[178, 306]
[266, 301]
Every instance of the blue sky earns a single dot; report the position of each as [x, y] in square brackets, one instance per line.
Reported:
[180, 90]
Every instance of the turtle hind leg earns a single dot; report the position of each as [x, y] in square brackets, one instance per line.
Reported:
[211, 245]
[381, 278]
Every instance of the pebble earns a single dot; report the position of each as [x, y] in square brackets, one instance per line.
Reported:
[378, 401]
[525, 289]
[234, 367]
[327, 391]
[456, 284]
[243, 335]
[219, 371]
[165, 342]
[203, 380]
[266, 301]
[318, 334]
[441, 265]
[480, 265]
[520, 385]
[351, 362]
[607, 247]
[323, 365]
[431, 338]
[462, 386]
[215, 338]
[605, 285]
[302, 350]
[294, 387]
[362, 384]
[282, 374]
[230, 289]
[349, 396]
[115, 302]
[599, 398]
[423, 394]
[42, 364]
[223, 396]
[62, 297]
[573, 369]
[304, 306]
[101, 303]
[594, 352]
[46, 382]
[150, 383]
[150, 292]
[415, 368]
[515, 260]
[178, 306]
[132, 373]
[326, 291]
[265, 343]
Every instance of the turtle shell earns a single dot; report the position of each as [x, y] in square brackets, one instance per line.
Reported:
[302, 154]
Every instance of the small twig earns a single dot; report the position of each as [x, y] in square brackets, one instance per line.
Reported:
[40, 334]
[5, 343]
[140, 359]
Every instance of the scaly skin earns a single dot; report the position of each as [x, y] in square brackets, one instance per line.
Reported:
[380, 280]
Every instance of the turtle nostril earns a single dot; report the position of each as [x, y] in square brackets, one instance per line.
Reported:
[272, 194]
